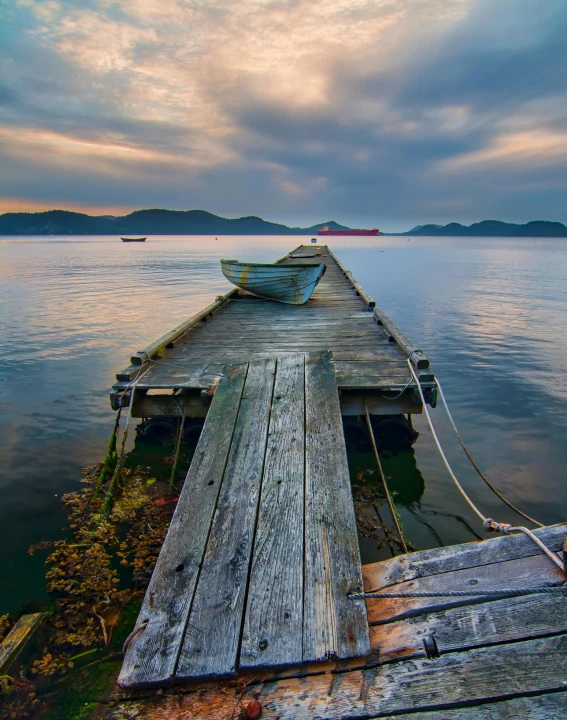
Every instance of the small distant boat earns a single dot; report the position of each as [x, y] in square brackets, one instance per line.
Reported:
[292, 284]
[133, 239]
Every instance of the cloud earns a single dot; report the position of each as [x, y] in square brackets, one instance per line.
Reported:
[295, 109]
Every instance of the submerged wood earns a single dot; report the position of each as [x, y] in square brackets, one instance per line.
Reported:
[17, 638]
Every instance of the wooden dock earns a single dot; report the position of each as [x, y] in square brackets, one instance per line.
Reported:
[262, 550]
[250, 597]
[369, 350]
[430, 659]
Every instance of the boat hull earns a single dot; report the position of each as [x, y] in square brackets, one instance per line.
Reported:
[349, 233]
[291, 283]
[133, 239]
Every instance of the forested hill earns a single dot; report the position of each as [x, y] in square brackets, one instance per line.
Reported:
[494, 228]
[200, 222]
[145, 222]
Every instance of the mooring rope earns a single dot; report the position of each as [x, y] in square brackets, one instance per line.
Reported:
[178, 445]
[384, 483]
[109, 497]
[476, 467]
[402, 391]
[489, 524]
[508, 592]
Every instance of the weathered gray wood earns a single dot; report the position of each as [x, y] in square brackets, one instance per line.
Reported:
[485, 678]
[490, 623]
[248, 327]
[171, 406]
[515, 574]
[499, 672]
[152, 654]
[458, 557]
[156, 347]
[274, 616]
[539, 707]
[416, 355]
[333, 625]
[17, 639]
[211, 642]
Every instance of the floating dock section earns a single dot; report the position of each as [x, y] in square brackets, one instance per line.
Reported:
[369, 350]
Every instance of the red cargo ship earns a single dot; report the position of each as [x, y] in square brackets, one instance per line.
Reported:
[324, 230]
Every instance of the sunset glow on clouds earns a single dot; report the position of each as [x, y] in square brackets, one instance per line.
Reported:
[386, 112]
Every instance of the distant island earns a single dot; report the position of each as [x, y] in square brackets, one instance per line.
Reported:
[200, 222]
[493, 228]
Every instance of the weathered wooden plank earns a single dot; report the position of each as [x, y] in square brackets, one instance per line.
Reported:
[274, 616]
[490, 623]
[156, 347]
[211, 643]
[539, 707]
[152, 654]
[17, 638]
[171, 406]
[478, 676]
[521, 573]
[333, 625]
[458, 557]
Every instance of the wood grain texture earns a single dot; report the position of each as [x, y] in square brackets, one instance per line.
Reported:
[17, 639]
[481, 676]
[211, 643]
[333, 625]
[245, 328]
[539, 707]
[274, 615]
[458, 557]
[489, 623]
[515, 574]
[152, 655]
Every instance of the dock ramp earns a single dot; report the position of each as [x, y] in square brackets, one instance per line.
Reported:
[262, 550]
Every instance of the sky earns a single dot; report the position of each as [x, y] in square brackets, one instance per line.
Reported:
[373, 113]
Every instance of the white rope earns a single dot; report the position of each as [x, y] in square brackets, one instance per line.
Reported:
[476, 467]
[451, 473]
[489, 524]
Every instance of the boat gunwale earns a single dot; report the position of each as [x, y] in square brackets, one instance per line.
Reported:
[276, 266]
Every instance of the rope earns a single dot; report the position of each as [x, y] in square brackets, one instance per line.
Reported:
[509, 592]
[402, 391]
[384, 483]
[109, 462]
[451, 473]
[176, 459]
[108, 500]
[489, 524]
[476, 467]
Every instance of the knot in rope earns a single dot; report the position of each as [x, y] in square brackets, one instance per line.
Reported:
[491, 525]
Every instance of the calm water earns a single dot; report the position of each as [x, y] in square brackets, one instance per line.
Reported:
[489, 313]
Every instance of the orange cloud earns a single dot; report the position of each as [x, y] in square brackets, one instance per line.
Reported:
[22, 205]
[533, 146]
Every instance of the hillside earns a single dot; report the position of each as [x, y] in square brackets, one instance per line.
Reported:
[494, 228]
[146, 222]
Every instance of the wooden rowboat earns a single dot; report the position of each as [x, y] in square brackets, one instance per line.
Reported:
[133, 239]
[292, 284]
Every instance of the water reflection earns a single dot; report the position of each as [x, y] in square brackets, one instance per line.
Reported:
[489, 313]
